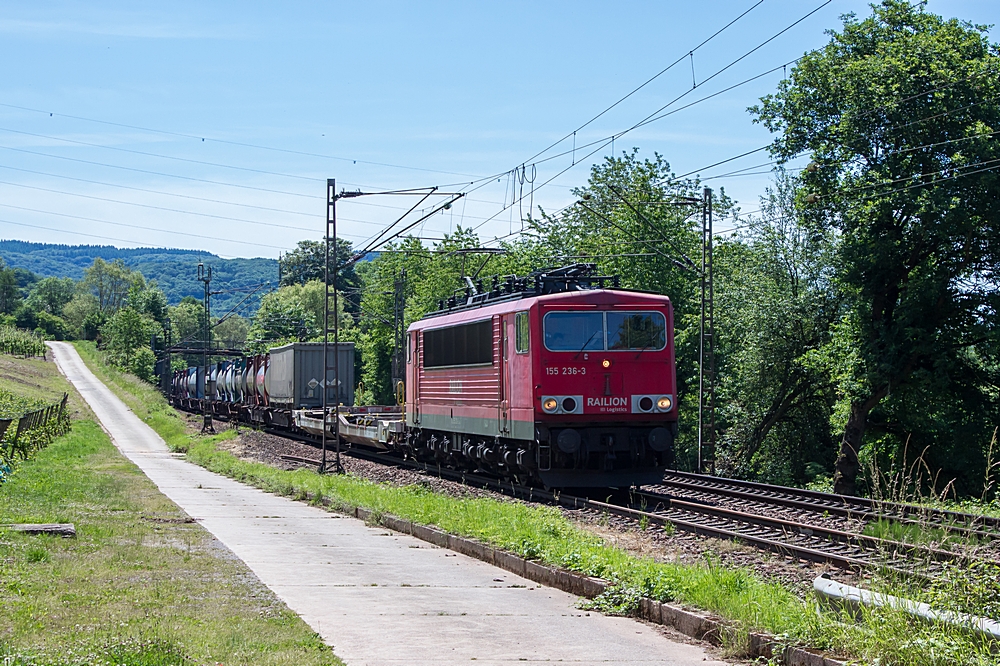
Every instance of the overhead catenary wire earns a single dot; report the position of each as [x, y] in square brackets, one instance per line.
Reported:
[647, 82]
[604, 142]
[654, 117]
[657, 115]
[482, 182]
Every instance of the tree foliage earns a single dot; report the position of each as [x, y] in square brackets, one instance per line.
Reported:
[293, 314]
[307, 263]
[777, 302]
[898, 113]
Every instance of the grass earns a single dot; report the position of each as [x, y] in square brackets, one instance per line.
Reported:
[37, 381]
[542, 533]
[916, 533]
[140, 585]
[141, 397]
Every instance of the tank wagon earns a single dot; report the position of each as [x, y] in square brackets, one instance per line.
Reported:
[267, 389]
[560, 379]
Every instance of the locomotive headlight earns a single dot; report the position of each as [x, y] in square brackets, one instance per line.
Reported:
[606, 363]
[664, 403]
[550, 404]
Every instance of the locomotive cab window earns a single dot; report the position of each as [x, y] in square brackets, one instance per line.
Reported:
[574, 331]
[465, 344]
[600, 331]
[521, 335]
[636, 330]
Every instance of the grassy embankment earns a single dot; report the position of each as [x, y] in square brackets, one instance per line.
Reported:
[139, 585]
[542, 533]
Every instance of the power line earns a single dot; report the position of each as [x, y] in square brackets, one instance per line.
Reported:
[649, 118]
[157, 155]
[86, 235]
[237, 143]
[136, 226]
[159, 173]
[663, 71]
[171, 210]
[164, 193]
[193, 179]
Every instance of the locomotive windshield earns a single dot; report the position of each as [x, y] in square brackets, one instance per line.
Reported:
[599, 331]
[636, 330]
[574, 331]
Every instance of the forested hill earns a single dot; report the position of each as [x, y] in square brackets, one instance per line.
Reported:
[174, 270]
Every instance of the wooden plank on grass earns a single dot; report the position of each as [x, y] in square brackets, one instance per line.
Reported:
[58, 529]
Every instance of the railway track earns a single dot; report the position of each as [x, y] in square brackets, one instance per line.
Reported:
[807, 541]
[814, 506]
[792, 538]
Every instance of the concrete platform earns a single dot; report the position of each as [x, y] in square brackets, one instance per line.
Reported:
[379, 597]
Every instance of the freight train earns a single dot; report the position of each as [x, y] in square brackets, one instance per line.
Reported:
[561, 379]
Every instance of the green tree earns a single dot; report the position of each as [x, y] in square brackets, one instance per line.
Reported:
[187, 321]
[149, 300]
[51, 294]
[306, 263]
[52, 326]
[10, 293]
[125, 333]
[232, 331]
[292, 313]
[111, 283]
[78, 309]
[776, 303]
[898, 112]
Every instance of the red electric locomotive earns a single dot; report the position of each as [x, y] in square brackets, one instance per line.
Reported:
[555, 379]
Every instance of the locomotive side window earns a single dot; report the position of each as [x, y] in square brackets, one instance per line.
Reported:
[574, 331]
[465, 344]
[636, 330]
[521, 335]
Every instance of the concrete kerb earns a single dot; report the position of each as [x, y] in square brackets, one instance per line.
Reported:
[695, 625]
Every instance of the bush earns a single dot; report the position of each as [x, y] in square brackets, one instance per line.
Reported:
[126, 337]
[143, 364]
[52, 326]
[91, 325]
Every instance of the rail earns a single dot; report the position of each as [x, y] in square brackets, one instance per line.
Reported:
[799, 540]
[704, 488]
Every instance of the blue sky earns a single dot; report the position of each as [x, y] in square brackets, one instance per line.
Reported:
[206, 110]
